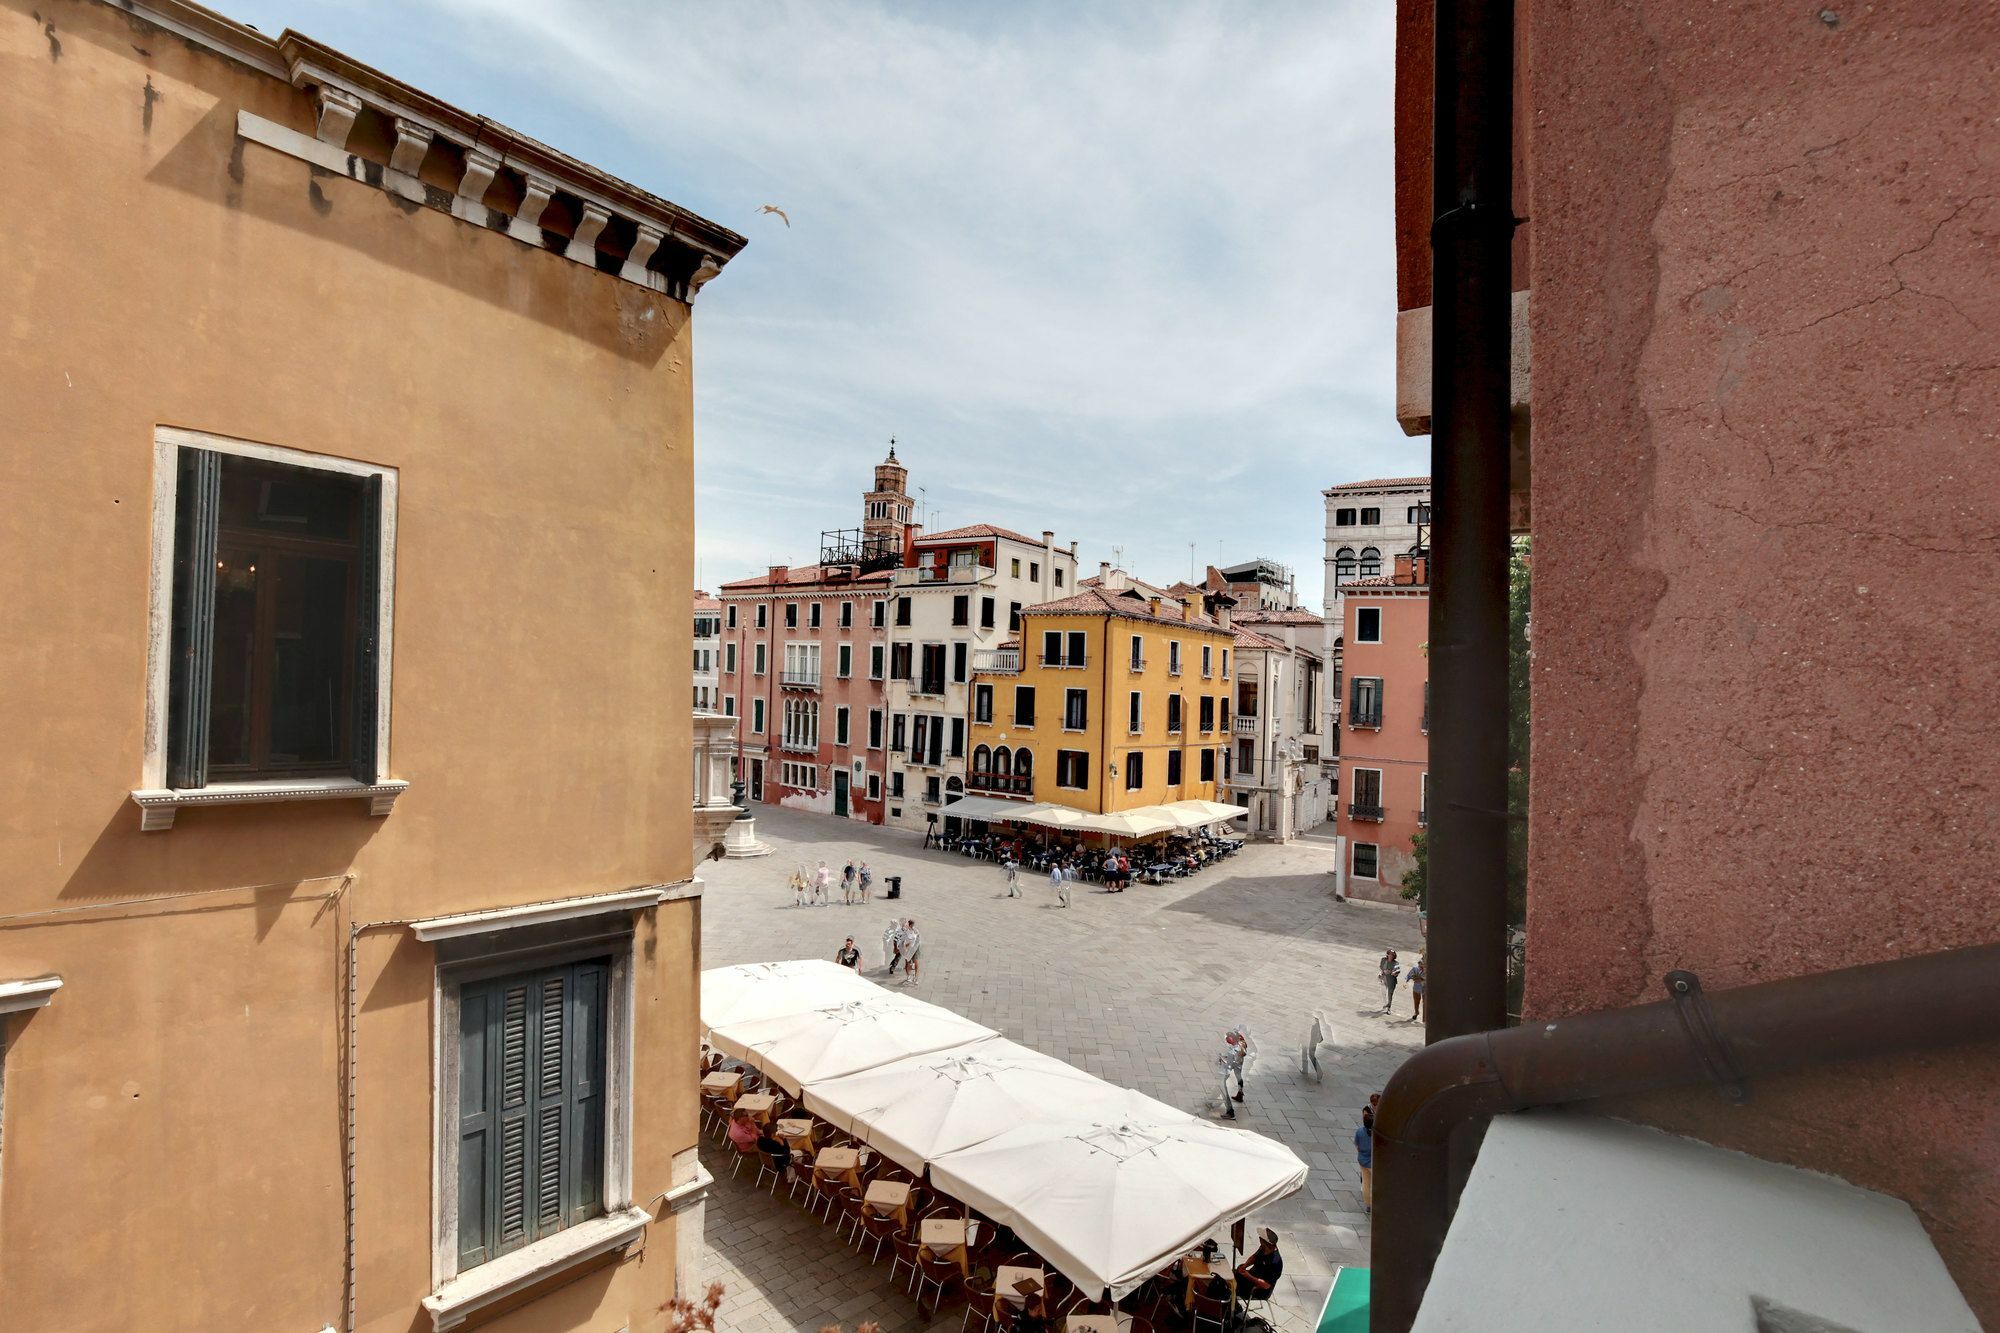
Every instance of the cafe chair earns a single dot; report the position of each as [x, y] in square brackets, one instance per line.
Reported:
[877, 1231]
[938, 1273]
[904, 1245]
[802, 1165]
[826, 1191]
[847, 1200]
[978, 1304]
[741, 1153]
[1210, 1310]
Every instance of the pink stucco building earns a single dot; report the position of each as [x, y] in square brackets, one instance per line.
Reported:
[1384, 727]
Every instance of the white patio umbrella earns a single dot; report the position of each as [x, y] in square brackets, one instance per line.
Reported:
[1141, 823]
[916, 1109]
[1193, 814]
[1114, 1197]
[754, 991]
[860, 1033]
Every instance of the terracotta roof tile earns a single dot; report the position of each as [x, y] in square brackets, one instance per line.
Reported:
[1289, 616]
[1129, 603]
[978, 530]
[1377, 484]
[806, 576]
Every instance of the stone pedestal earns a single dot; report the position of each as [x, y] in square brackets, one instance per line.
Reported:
[741, 840]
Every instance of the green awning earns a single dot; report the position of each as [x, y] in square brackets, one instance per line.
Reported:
[1346, 1308]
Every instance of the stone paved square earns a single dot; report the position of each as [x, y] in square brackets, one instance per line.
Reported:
[1136, 987]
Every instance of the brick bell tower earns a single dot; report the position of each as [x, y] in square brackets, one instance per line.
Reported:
[886, 509]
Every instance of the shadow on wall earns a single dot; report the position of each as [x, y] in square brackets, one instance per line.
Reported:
[211, 163]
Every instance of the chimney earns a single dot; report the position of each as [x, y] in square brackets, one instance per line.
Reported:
[1420, 570]
[1153, 605]
[1223, 615]
[1103, 574]
[1404, 574]
[779, 573]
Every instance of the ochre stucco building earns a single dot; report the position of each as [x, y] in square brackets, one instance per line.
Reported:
[349, 965]
[1118, 697]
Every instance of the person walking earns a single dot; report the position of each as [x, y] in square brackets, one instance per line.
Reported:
[848, 955]
[1056, 883]
[892, 947]
[913, 948]
[847, 884]
[799, 886]
[1416, 979]
[1387, 971]
[1013, 869]
[1364, 1157]
[867, 882]
[821, 878]
[1236, 1042]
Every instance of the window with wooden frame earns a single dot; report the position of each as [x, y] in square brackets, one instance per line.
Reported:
[273, 586]
[1173, 768]
[1135, 769]
[1073, 770]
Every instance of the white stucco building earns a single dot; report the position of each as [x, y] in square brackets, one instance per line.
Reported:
[707, 653]
[1368, 524]
[959, 600]
[1277, 769]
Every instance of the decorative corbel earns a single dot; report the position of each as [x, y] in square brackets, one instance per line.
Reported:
[412, 142]
[708, 268]
[534, 200]
[480, 167]
[647, 243]
[583, 246]
[337, 110]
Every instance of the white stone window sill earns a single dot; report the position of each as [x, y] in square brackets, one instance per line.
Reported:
[159, 805]
[467, 1294]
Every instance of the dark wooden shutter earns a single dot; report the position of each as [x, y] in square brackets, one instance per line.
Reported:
[197, 514]
[586, 1026]
[366, 764]
[478, 1020]
[513, 1058]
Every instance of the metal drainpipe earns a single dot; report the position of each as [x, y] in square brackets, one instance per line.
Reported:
[1471, 292]
[1909, 1004]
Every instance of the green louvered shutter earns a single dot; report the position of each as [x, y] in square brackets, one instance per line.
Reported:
[583, 1166]
[478, 1010]
[197, 516]
[365, 762]
[550, 1102]
[512, 1165]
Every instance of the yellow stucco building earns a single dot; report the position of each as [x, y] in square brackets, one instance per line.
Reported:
[1117, 698]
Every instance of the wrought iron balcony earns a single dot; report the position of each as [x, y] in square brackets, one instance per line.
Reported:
[1064, 661]
[1356, 810]
[1136, 664]
[1365, 720]
[800, 680]
[1011, 783]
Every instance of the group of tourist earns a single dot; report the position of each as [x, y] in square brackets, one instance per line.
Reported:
[813, 888]
[1390, 971]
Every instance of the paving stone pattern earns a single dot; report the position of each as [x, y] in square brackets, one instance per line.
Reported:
[1137, 988]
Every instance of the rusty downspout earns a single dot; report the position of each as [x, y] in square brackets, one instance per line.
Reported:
[1722, 1038]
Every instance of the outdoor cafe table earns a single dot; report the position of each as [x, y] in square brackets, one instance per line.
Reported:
[796, 1132]
[759, 1105]
[1097, 1323]
[843, 1163]
[1197, 1270]
[1004, 1279]
[723, 1083]
[944, 1238]
[889, 1198]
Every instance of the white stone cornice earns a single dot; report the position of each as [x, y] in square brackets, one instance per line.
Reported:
[32, 994]
[480, 167]
[159, 805]
[583, 246]
[337, 110]
[412, 142]
[538, 914]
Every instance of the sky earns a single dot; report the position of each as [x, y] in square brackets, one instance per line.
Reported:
[1125, 271]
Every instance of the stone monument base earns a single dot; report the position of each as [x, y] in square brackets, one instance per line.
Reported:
[741, 840]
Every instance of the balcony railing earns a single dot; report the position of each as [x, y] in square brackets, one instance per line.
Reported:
[1356, 810]
[1246, 726]
[997, 661]
[992, 782]
[1136, 664]
[1369, 719]
[1064, 661]
[1423, 817]
[800, 680]
[927, 687]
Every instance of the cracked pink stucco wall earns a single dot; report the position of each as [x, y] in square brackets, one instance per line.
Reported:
[1766, 381]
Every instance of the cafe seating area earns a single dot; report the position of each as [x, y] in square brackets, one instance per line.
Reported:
[957, 1166]
[1158, 842]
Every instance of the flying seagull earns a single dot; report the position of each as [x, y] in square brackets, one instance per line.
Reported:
[773, 208]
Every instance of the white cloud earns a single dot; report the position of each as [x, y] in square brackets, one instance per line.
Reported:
[1125, 271]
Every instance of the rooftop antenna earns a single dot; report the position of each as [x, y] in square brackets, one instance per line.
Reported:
[1118, 557]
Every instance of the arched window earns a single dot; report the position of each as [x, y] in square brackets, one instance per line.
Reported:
[1003, 762]
[1024, 769]
[982, 762]
[1343, 565]
[1371, 563]
[954, 787]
